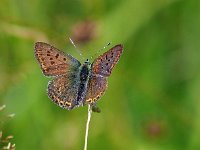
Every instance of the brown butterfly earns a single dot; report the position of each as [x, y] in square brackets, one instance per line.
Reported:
[73, 84]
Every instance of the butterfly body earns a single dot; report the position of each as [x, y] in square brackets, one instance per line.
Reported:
[73, 84]
[84, 76]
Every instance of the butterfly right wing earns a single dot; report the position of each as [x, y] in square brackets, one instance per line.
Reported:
[105, 63]
[101, 69]
[54, 62]
[63, 90]
[96, 88]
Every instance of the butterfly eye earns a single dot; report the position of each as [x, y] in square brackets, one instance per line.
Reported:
[101, 67]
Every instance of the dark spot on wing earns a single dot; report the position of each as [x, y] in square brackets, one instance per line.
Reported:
[57, 55]
[52, 62]
[112, 55]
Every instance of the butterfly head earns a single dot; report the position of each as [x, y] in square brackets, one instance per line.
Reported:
[87, 62]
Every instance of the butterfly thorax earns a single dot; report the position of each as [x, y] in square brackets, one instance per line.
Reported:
[84, 75]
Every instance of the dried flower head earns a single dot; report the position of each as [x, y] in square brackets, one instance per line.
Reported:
[5, 142]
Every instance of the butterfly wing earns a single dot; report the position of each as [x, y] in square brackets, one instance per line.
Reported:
[101, 69]
[96, 88]
[104, 64]
[63, 90]
[54, 62]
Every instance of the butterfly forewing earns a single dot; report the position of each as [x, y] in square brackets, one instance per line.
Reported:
[63, 90]
[104, 64]
[54, 62]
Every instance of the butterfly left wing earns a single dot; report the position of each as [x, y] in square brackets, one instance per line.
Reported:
[63, 90]
[54, 62]
[101, 69]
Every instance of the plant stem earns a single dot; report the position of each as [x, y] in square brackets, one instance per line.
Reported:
[87, 126]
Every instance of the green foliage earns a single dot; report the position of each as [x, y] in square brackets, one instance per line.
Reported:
[5, 141]
[152, 101]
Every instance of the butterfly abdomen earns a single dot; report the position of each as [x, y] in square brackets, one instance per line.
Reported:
[84, 77]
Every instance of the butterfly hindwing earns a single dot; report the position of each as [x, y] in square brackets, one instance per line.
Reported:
[96, 88]
[104, 64]
[54, 62]
[63, 90]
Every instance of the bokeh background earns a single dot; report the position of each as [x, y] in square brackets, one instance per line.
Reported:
[153, 98]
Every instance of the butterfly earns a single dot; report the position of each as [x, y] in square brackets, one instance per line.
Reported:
[75, 84]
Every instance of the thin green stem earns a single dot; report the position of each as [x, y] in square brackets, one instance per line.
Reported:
[87, 126]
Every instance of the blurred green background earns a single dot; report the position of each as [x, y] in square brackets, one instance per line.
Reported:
[153, 98]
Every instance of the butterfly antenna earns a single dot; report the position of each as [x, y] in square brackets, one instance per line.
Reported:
[100, 50]
[76, 48]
